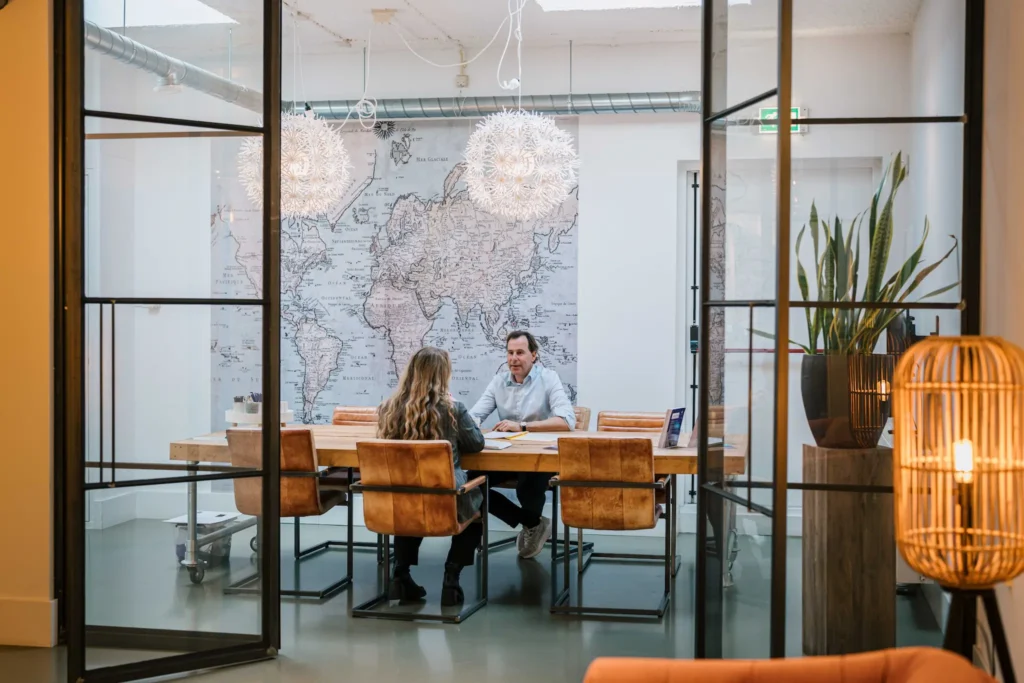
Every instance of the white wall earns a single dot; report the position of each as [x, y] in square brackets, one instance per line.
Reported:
[1003, 239]
[937, 150]
[633, 314]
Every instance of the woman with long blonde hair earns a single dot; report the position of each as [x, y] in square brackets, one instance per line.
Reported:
[422, 408]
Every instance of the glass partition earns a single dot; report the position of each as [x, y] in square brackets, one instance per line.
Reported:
[872, 225]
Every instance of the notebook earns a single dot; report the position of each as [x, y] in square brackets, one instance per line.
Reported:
[496, 445]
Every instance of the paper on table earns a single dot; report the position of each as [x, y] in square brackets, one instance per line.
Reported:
[496, 445]
[505, 435]
[546, 437]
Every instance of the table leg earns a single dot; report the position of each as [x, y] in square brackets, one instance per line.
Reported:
[673, 520]
[191, 551]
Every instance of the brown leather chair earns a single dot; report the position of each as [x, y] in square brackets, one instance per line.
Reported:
[609, 484]
[355, 416]
[301, 496]
[409, 489]
[582, 418]
[903, 665]
[613, 421]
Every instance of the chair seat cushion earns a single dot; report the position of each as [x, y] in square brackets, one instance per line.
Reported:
[331, 497]
[463, 525]
[337, 478]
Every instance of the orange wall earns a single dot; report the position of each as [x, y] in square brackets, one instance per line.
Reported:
[27, 611]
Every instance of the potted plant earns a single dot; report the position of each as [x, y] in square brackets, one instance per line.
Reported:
[844, 384]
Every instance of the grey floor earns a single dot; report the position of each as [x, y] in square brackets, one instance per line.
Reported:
[132, 580]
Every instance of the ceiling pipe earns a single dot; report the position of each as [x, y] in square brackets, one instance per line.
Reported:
[170, 70]
[176, 72]
[552, 105]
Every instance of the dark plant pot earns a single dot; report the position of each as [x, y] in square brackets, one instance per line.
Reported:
[844, 401]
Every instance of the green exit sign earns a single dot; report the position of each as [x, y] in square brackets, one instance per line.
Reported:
[772, 114]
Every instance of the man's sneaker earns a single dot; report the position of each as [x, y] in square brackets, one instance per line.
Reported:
[530, 541]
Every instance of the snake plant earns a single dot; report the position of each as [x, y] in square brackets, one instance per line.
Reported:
[837, 272]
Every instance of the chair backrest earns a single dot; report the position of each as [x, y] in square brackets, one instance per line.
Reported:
[424, 464]
[899, 665]
[355, 416]
[612, 421]
[300, 496]
[582, 418]
[607, 460]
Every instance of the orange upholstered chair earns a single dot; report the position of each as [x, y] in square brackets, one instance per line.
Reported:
[301, 496]
[612, 421]
[904, 665]
[409, 489]
[609, 484]
[582, 418]
[355, 416]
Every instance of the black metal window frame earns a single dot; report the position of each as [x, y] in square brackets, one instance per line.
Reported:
[203, 650]
[708, 614]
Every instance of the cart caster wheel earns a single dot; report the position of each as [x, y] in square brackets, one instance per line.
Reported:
[196, 574]
[254, 544]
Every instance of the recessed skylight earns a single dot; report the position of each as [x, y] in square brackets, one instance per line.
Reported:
[573, 5]
[138, 13]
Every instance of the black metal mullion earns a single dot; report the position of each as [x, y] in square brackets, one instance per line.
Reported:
[974, 111]
[160, 481]
[166, 121]
[271, 329]
[871, 120]
[802, 486]
[716, 490]
[60, 160]
[881, 305]
[178, 664]
[68, 17]
[745, 104]
[701, 579]
[777, 638]
[113, 393]
[739, 303]
[102, 416]
[168, 301]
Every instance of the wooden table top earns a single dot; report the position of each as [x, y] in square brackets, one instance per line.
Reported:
[336, 447]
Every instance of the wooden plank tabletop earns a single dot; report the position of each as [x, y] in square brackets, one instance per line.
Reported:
[336, 447]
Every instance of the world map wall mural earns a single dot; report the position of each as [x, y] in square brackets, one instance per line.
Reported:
[404, 259]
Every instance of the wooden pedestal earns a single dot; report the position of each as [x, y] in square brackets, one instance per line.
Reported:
[849, 553]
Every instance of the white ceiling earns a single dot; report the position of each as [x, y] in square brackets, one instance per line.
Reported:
[327, 26]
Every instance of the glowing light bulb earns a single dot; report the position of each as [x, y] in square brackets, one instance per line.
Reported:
[963, 461]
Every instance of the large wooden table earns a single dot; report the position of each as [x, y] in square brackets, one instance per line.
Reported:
[336, 447]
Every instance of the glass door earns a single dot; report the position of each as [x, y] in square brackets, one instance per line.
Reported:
[159, 519]
[744, 183]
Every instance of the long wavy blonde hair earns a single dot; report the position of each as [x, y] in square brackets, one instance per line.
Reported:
[421, 407]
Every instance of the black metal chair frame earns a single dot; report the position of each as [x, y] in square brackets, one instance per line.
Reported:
[561, 602]
[366, 609]
[244, 586]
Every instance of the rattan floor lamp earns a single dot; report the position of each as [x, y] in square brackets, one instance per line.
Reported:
[958, 416]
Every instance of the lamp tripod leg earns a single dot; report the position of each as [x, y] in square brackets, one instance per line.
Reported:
[995, 625]
[961, 624]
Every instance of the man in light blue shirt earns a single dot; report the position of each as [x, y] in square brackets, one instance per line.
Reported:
[528, 398]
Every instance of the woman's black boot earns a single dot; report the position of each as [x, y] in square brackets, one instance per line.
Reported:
[403, 588]
[451, 591]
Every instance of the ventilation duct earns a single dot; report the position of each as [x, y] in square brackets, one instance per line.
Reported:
[169, 69]
[176, 72]
[554, 105]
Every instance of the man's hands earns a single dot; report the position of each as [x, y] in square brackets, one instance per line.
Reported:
[507, 426]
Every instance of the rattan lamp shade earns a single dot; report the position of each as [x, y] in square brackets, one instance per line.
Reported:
[958, 413]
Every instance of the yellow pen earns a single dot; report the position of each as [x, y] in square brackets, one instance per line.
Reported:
[516, 436]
